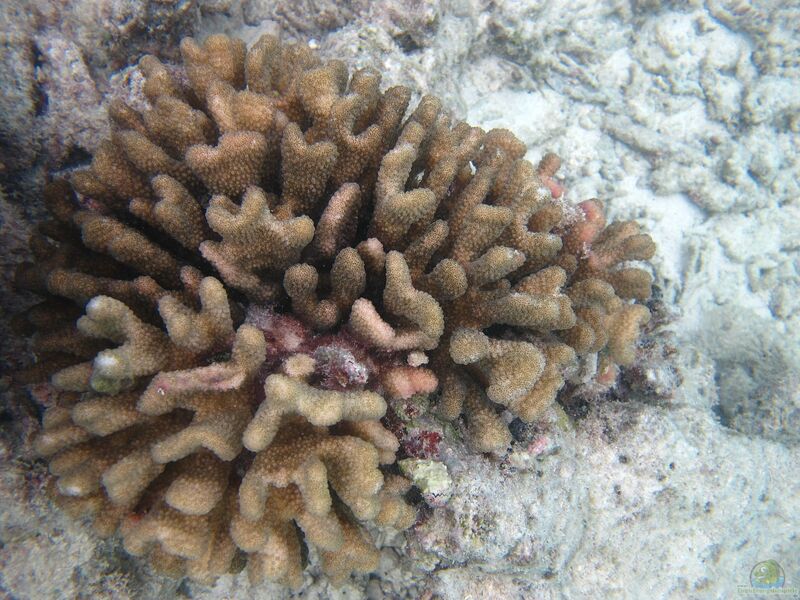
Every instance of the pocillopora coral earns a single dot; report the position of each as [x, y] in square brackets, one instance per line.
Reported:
[256, 262]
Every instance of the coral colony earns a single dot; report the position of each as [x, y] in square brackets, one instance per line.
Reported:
[266, 259]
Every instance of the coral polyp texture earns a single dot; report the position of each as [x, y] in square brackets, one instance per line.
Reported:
[262, 260]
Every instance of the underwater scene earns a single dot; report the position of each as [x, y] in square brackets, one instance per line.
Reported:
[401, 299]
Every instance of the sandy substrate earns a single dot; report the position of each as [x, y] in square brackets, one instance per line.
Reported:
[686, 119]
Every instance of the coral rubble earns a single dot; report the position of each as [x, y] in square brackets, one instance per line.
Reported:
[267, 255]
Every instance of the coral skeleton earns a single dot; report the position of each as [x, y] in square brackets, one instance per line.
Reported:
[261, 261]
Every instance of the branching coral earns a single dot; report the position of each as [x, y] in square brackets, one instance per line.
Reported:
[265, 256]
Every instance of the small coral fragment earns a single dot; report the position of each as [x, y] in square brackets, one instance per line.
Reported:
[232, 165]
[402, 300]
[219, 58]
[430, 476]
[509, 368]
[198, 331]
[347, 282]
[175, 126]
[285, 396]
[143, 349]
[305, 170]
[128, 246]
[253, 240]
